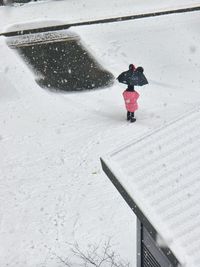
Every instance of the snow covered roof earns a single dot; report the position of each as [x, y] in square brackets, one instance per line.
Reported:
[49, 36]
[161, 173]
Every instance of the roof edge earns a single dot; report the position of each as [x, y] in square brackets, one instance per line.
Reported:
[134, 207]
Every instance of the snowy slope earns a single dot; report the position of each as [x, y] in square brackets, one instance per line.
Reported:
[52, 188]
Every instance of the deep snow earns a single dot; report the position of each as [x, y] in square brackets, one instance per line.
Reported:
[53, 191]
[56, 12]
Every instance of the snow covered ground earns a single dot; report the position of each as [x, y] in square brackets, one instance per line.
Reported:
[57, 12]
[52, 190]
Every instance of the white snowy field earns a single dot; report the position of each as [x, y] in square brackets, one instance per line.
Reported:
[52, 190]
[48, 13]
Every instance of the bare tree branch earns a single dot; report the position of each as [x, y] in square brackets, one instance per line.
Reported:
[63, 261]
[96, 256]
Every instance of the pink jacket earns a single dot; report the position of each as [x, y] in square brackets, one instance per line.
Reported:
[130, 99]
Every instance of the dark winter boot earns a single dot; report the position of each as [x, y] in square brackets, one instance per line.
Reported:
[132, 117]
[128, 116]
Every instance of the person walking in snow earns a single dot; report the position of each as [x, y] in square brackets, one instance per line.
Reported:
[132, 77]
[130, 99]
